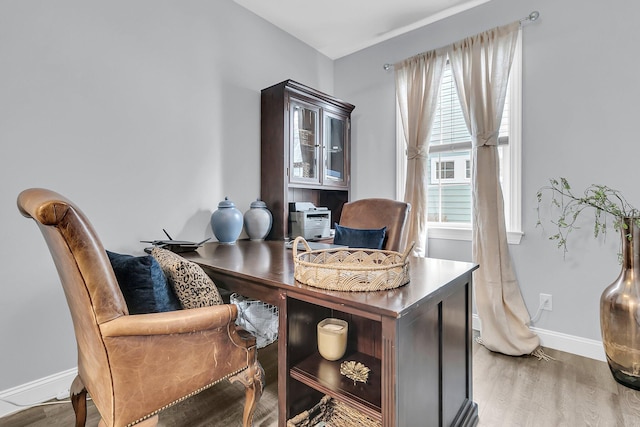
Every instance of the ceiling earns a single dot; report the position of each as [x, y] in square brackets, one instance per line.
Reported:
[337, 28]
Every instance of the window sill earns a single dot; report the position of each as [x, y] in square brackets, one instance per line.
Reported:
[452, 233]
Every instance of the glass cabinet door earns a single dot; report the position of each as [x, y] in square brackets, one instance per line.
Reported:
[335, 153]
[305, 147]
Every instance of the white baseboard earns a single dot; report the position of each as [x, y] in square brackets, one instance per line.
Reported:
[35, 392]
[585, 347]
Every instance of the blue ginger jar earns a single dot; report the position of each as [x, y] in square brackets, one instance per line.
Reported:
[257, 220]
[226, 222]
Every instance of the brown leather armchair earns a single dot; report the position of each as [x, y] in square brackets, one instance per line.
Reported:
[377, 213]
[133, 366]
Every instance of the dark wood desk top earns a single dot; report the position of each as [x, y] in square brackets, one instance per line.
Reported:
[270, 264]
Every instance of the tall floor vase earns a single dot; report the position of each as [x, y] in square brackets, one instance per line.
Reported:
[620, 312]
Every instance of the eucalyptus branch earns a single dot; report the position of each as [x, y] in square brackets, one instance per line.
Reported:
[604, 200]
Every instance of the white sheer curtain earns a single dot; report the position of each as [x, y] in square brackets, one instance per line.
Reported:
[480, 66]
[417, 85]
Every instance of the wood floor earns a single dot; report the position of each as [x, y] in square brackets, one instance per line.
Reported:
[570, 391]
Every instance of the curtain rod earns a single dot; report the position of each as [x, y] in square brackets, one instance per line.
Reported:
[530, 17]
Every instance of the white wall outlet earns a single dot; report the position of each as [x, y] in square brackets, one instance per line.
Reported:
[546, 302]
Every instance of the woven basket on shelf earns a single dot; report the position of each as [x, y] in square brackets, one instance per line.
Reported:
[351, 269]
[333, 414]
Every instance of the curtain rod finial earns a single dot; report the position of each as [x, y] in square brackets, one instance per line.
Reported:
[387, 67]
[533, 16]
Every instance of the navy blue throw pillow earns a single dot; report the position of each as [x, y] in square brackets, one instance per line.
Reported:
[359, 237]
[143, 284]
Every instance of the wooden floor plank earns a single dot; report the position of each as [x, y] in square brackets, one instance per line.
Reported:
[570, 391]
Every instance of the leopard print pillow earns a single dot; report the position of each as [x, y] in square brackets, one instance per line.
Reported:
[190, 283]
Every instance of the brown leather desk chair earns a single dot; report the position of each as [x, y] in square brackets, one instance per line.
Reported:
[133, 366]
[378, 213]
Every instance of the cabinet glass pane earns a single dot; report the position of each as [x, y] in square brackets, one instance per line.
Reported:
[334, 133]
[305, 145]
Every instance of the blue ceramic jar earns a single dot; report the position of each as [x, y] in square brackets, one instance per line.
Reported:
[226, 222]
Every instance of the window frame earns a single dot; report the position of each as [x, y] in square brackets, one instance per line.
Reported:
[511, 170]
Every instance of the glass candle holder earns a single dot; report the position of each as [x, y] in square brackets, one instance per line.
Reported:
[332, 338]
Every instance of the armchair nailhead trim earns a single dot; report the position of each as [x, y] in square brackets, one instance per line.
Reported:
[186, 397]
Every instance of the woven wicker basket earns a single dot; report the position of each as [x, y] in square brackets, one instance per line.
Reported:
[345, 269]
[333, 414]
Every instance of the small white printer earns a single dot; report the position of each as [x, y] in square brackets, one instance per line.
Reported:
[309, 221]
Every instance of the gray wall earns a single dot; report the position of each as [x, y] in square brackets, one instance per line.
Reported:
[580, 107]
[146, 113]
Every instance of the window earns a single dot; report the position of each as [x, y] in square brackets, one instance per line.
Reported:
[448, 169]
[449, 174]
[444, 170]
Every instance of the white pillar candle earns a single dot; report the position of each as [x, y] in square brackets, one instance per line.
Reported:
[332, 338]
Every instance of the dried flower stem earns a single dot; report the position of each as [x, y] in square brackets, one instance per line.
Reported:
[602, 199]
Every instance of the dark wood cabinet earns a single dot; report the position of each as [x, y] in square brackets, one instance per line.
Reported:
[305, 151]
[419, 357]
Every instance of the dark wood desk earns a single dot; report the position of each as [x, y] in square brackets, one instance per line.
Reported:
[416, 339]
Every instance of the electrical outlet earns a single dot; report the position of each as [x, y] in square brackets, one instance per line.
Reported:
[546, 302]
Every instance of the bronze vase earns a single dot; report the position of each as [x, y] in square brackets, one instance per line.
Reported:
[620, 312]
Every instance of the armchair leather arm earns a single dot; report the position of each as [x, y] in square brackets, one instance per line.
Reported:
[171, 322]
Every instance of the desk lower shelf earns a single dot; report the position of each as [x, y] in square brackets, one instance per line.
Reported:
[324, 376]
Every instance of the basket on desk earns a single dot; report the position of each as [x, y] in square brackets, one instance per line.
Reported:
[333, 414]
[351, 269]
